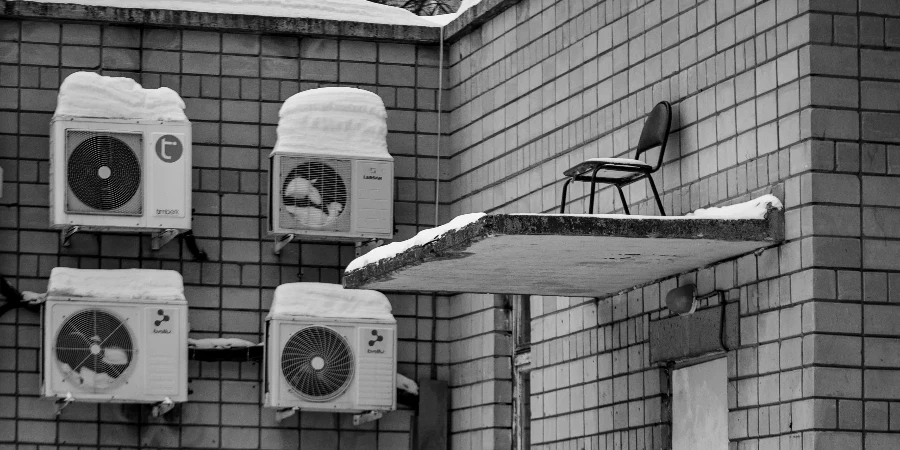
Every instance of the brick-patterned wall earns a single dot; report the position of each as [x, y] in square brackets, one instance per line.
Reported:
[793, 97]
[233, 85]
[852, 193]
[480, 372]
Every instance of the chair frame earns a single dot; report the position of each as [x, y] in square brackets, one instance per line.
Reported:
[640, 173]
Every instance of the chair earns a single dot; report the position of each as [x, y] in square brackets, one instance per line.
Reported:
[623, 171]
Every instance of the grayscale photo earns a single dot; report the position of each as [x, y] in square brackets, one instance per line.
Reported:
[450, 224]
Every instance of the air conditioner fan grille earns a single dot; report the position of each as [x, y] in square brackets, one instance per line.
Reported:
[103, 172]
[315, 194]
[318, 363]
[94, 349]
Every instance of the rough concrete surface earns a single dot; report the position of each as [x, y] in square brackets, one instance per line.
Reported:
[564, 255]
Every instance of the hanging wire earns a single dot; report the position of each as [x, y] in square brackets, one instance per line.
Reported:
[440, 110]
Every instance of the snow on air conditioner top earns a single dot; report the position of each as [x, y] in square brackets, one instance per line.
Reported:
[329, 301]
[88, 94]
[124, 285]
[333, 122]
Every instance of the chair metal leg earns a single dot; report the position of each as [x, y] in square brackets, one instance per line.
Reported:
[656, 195]
[593, 189]
[562, 204]
[624, 202]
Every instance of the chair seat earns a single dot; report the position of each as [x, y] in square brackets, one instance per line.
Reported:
[611, 168]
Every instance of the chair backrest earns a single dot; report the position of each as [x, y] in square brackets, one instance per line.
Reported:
[656, 131]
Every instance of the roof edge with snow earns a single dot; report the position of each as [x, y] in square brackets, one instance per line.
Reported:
[219, 21]
[475, 17]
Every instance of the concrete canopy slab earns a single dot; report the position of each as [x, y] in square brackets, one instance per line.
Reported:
[579, 256]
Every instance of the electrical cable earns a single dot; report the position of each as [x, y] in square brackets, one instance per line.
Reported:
[722, 322]
[14, 298]
[8, 291]
[437, 165]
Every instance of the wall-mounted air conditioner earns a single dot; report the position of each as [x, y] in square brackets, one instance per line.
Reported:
[330, 173]
[339, 198]
[330, 349]
[115, 336]
[120, 174]
[120, 158]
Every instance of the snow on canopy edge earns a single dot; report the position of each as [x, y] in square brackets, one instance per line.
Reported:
[333, 121]
[338, 10]
[422, 238]
[123, 285]
[753, 209]
[756, 208]
[89, 94]
[328, 301]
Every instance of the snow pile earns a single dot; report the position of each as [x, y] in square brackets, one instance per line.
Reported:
[444, 19]
[342, 10]
[87, 378]
[88, 94]
[407, 385]
[34, 298]
[754, 209]
[424, 237]
[333, 120]
[116, 285]
[323, 300]
[219, 343]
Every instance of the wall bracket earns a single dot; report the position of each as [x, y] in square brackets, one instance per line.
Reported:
[162, 238]
[67, 234]
[162, 407]
[282, 414]
[371, 416]
[63, 402]
[282, 242]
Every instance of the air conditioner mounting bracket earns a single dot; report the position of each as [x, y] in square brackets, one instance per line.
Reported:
[63, 402]
[282, 414]
[162, 238]
[67, 234]
[282, 241]
[366, 417]
[162, 407]
[363, 247]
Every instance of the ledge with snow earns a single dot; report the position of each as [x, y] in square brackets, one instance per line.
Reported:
[565, 254]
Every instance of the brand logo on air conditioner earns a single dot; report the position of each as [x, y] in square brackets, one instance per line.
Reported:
[169, 148]
[168, 212]
[372, 175]
[162, 318]
[376, 339]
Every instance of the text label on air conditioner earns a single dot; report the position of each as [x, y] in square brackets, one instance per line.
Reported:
[162, 322]
[374, 174]
[169, 148]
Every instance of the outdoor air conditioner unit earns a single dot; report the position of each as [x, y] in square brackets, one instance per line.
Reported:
[120, 174]
[331, 198]
[330, 349]
[331, 175]
[115, 336]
